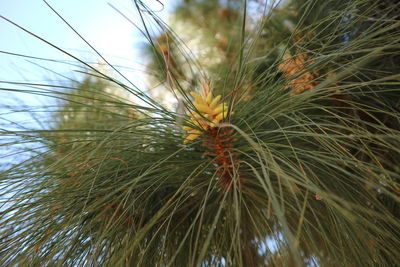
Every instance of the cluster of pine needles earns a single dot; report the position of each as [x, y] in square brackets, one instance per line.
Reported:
[283, 148]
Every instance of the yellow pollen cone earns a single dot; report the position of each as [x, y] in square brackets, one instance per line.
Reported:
[209, 112]
[203, 108]
[215, 101]
[197, 98]
[220, 108]
[209, 97]
[220, 116]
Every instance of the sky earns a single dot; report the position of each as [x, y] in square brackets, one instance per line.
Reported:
[113, 36]
[103, 27]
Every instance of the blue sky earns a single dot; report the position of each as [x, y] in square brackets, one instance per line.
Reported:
[106, 30]
[111, 34]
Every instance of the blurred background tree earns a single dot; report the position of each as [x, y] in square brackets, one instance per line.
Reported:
[301, 170]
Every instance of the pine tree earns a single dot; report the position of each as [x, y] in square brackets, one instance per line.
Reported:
[283, 149]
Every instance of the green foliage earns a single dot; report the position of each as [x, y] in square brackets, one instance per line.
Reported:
[312, 148]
